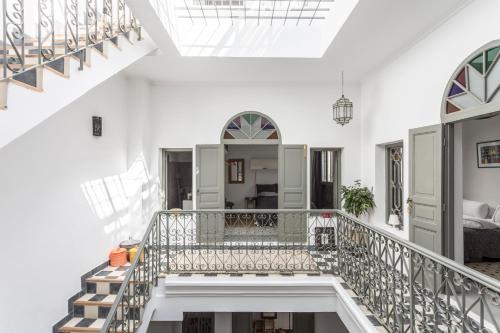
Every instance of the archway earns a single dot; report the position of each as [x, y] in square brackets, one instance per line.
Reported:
[470, 112]
[474, 88]
[251, 127]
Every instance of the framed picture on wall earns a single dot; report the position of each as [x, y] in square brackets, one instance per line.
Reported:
[488, 154]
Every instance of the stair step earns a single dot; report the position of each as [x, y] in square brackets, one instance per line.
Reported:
[92, 325]
[92, 306]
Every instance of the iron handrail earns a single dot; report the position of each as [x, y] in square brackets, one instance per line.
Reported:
[478, 277]
[96, 28]
[462, 269]
[130, 273]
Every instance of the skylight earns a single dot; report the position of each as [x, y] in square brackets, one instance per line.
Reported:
[261, 11]
[256, 28]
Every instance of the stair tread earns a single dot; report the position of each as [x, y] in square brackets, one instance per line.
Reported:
[76, 324]
[110, 274]
[96, 299]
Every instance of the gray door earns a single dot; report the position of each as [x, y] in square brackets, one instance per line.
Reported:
[425, 188]
[210, 191]
[292, 187]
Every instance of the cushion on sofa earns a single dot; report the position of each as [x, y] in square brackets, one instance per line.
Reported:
[496, 216]
[475, 209]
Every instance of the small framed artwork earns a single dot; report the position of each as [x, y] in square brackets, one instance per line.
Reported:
[236, 171]
[488, 154]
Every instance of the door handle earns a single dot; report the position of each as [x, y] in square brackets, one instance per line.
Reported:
[411, 204]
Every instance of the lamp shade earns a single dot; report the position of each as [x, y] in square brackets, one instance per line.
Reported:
[393, 220]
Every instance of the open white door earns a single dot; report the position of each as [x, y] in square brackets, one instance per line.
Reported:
[292, 188]
[425, 188]
[210, 191]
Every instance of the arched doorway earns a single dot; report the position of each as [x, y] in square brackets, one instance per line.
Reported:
[445, 157]
[251, 169]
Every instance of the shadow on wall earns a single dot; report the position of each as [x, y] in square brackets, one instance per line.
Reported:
[124, 202]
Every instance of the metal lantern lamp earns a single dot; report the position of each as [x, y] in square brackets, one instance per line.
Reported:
[342, 109]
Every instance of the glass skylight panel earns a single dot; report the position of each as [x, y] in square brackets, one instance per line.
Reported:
[256, 28]
[261, 11]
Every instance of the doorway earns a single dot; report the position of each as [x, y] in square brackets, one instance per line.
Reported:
[251, 183]
[477, 193]
[178, 179]
[325, 178]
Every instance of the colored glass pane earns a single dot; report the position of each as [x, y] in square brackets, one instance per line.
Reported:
[491, 55]
[478, 63]
[232, 125]
[273, 136]
[450, 108]
[269, 126]
[461, 78]
[455, 90]
[250, 118]
[237, 121]
[227, 135]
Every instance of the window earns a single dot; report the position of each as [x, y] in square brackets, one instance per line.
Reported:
[395, 181]
[327, 166]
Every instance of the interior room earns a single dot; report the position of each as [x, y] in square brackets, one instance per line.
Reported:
[252, 322]
[325, 178]
[251, 182]
[178, 179]
[480, 170]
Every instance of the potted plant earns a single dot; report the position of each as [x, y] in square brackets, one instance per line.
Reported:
[357, 200]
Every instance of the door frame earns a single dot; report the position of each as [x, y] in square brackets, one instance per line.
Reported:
[338, 166]
[164, 170]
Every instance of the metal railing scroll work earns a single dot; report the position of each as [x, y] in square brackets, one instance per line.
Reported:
[39, 34]
[406, 287]
[411, 289]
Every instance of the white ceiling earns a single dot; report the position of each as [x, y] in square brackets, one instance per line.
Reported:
[375, 32]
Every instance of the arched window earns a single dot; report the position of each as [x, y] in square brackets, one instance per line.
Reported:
[251, 127]
[475, 83]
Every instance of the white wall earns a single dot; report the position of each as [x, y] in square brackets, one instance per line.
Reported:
[407, 92]
[186, 115]
[66, 198]
[236, 193]
[27, 108]
[480, 184]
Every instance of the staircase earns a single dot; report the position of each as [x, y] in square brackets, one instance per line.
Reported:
[43, 43]
[90, 310]
[38, 34]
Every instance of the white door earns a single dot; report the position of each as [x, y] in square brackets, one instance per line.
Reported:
[292, 187]
[210, 191]
[425, 188]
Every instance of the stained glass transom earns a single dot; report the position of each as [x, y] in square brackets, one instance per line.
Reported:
[476, 83]
[251, 126]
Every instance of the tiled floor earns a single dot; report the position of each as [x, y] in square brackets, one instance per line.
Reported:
[489, 268]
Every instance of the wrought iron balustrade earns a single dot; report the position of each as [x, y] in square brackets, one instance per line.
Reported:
[39, 32]
[411, 289]
[407, 287]
[248, 241]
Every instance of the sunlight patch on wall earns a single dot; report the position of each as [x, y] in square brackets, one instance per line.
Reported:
[121, 199]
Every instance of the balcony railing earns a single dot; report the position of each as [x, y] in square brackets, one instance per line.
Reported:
[40, 32]
[408, 288]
